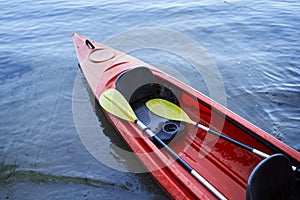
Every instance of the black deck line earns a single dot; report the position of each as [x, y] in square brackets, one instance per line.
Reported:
[248, 131]
[240, 126]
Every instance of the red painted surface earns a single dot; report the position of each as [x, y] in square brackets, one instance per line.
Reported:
[226, 166]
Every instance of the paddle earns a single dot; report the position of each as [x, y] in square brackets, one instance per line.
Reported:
[114, 102]
[169, 110]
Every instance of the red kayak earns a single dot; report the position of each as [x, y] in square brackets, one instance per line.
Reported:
[206, 152]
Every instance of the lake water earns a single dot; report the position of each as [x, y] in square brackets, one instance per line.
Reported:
[254, 44]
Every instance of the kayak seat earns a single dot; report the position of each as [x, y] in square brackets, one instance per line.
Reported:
[271, 179]
[138, 85]
[129, 81]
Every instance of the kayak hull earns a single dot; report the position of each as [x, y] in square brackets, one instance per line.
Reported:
[224, 165]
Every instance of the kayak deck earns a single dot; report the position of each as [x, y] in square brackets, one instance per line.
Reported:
[224, 165]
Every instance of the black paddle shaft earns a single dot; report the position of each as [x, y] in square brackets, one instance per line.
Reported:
[231, 140]
[172, 153]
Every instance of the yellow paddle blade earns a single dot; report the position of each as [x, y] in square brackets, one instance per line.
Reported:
[114, 102]
[166, 109]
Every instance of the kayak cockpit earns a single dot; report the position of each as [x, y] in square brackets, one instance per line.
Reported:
[139, 85]
[270, 178]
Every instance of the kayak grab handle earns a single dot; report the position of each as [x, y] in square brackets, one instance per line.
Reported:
[89, 44]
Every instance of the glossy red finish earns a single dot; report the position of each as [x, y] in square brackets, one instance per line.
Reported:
[226, 166]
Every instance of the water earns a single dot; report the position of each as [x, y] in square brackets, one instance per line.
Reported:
[255, 46]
